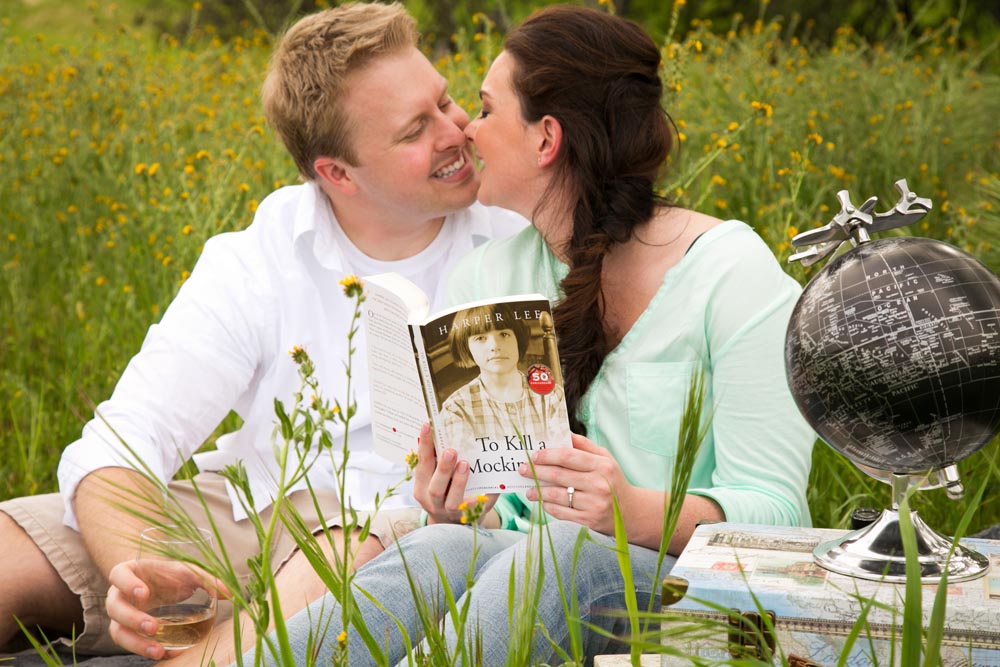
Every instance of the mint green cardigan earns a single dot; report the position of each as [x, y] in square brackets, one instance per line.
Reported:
[726, 305]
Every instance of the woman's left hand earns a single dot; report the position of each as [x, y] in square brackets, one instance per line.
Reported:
[583, 480]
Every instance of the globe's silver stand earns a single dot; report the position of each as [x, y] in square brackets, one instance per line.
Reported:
[876, 551]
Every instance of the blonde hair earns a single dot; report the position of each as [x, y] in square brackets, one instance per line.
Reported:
[304, 91]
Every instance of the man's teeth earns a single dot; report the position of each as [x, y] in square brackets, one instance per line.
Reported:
[445, 172]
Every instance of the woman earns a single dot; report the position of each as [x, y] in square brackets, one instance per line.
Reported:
[495, 341]
[572, 135]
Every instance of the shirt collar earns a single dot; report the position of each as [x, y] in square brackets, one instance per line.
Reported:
[473, 227]
[312, 227]
[314, 217]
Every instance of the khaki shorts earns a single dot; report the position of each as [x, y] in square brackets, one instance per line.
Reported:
[41, 517]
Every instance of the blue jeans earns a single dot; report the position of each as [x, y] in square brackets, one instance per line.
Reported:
[598, 581]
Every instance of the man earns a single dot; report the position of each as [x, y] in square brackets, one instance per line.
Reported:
[390, 186]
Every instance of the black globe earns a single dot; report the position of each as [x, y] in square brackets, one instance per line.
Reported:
[893, 354]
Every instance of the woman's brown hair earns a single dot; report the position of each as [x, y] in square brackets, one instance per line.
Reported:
[598, 75]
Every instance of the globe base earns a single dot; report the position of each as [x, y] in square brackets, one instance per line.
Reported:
[875, 552]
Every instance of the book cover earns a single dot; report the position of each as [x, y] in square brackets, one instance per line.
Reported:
[485, 375]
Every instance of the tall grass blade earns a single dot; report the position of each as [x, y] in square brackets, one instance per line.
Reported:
[912, 605]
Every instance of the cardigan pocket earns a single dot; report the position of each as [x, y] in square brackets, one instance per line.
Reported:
[657, 393]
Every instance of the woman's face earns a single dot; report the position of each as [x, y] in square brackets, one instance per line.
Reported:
[495, 351]
[505, 144]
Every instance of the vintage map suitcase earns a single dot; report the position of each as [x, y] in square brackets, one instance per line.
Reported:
[813, 611]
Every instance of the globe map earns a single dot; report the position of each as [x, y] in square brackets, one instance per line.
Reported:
[893, 354]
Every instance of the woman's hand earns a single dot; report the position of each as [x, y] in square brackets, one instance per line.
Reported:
[584, 481]
[439, 484]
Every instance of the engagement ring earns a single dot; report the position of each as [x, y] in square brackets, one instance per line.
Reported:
[569, 492]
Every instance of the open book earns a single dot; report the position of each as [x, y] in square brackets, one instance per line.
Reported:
[485, 374]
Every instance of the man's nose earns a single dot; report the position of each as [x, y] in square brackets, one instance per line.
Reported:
[453, 133]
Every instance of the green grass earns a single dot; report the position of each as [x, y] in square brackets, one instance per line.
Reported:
[121, 152]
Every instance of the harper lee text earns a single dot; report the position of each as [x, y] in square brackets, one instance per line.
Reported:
[492, 318]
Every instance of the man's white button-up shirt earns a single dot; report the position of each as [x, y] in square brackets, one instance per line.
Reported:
[223, 345]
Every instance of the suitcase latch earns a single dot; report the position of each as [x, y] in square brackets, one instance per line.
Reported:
[750, 635]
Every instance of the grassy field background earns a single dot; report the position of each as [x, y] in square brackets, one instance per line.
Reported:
[122, 150]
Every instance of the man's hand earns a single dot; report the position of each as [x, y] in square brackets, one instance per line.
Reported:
[99, 503]
[439, 485]
[131, 628]
[137, 586]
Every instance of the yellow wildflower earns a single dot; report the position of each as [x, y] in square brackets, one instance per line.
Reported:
[352, 286]
[298, 354]
[764, 107]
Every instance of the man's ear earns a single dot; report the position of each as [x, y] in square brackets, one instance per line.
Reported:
[336, 173]
[550, 135]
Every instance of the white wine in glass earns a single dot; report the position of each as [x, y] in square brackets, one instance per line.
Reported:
[183, 603]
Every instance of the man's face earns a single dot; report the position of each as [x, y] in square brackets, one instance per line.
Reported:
[413, 159]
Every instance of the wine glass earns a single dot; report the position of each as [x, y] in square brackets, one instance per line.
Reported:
[181, 599]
